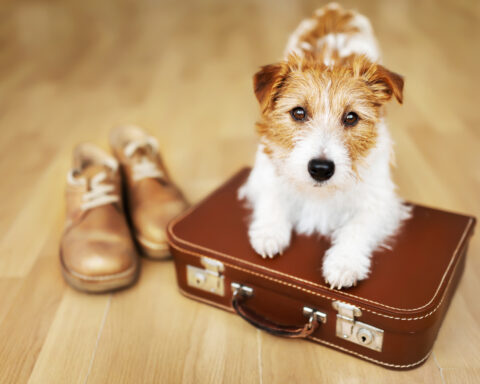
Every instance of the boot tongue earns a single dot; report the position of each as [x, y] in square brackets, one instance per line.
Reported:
[142, 152]
[92, 172]
[138, 149]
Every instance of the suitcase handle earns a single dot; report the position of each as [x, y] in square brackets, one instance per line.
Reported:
[241, 293]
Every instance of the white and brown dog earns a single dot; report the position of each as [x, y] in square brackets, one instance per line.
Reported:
[323, 162]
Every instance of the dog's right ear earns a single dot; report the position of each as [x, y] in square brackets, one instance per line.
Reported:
[267, 84]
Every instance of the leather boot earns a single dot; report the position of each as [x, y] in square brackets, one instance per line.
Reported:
[152, 198]
[97, 252]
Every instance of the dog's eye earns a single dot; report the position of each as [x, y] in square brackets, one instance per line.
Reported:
[350, 119]
[298, 114]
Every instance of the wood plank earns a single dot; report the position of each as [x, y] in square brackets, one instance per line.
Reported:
[294, 361]
[28, 233]
[25, 326]
[458, 341]
[9, 288]
[461, 375]
[170, 338]
[72, 339]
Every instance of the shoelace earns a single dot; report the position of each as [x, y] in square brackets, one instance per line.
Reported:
[145, 168]
[99, 194]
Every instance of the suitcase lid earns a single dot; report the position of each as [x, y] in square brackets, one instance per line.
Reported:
[408, 280]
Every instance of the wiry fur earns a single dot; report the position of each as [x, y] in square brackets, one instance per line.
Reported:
[329, 69]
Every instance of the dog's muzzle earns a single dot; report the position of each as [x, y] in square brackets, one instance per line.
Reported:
[321, 169]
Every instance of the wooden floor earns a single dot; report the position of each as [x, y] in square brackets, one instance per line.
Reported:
[70, 70]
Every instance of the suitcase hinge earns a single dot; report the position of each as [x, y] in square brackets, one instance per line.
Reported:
[209, 279]
[355, 331]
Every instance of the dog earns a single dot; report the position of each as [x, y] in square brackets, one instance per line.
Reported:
[324, 155]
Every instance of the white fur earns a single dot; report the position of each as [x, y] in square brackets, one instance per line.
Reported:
[358, 213]
[293, 45]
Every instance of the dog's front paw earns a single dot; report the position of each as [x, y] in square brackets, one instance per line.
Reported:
[269, 239]
[342, 267]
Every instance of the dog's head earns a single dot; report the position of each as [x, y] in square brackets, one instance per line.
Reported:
[318, 123]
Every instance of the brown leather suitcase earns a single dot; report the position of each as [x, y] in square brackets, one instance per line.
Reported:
[391, 319]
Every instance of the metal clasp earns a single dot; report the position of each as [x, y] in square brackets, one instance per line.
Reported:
[209, 279]
[350, 329]
[313, 314]
[239, 289]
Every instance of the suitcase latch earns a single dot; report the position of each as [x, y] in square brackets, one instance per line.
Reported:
[355, 331]
[209, 278]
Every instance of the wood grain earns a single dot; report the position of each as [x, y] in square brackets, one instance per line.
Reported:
[70, 71]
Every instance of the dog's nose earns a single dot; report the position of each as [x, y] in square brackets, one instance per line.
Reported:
[321, 169]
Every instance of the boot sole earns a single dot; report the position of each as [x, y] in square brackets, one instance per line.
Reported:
[101, 284]
[152, 250]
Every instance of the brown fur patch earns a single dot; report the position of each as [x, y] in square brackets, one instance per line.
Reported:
[382, 81]
[353, 84]
[329, 20]
[360, 140]
[327, 93]
[268, 82]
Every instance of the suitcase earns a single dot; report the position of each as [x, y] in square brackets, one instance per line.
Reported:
[391, 319]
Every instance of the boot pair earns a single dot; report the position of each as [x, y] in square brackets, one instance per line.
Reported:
[97, 250]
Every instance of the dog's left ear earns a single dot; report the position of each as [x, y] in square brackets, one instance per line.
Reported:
[384, 83]
[267, 84]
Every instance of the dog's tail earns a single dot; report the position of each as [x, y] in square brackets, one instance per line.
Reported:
[333, 33]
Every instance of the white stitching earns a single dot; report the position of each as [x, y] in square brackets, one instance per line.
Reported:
[229, 309]
[189, 211]
[319, 294]
[324, 287]
[369, 358]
